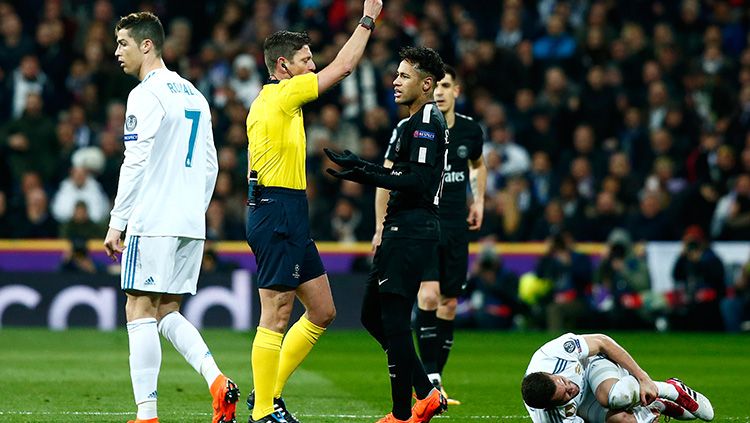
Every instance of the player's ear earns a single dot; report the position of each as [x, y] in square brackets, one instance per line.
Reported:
[428, 84]
[146, 45]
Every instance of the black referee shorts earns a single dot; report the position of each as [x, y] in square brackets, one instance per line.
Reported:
[399, 264]
[449, 261]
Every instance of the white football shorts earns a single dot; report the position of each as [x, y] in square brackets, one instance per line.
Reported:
[162, 264]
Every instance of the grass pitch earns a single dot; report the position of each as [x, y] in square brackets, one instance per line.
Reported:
[82, 375]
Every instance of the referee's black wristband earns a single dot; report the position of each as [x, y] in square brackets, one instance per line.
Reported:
[367, 22]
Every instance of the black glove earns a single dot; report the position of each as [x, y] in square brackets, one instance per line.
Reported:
[354, 174]
[347, 159]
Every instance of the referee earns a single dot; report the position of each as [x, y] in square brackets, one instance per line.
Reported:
[410, 231]
[277, 225]
[445, 274]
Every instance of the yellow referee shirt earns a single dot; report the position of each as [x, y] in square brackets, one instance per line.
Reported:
[276, 131]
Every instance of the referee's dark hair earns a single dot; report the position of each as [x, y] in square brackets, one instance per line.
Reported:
[142, 26]
[283, 44]
[537, 390]
[425, 60]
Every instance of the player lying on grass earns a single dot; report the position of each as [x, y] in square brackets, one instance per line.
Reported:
[590, 378]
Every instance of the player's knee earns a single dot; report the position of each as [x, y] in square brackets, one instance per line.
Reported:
[448, 306]
[624, 393]
[429, 296]
[323, 316]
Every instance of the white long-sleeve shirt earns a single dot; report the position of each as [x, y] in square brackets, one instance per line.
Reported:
[170, 166]
[91, 193]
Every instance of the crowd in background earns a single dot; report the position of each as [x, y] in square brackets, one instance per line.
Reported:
[622, 118]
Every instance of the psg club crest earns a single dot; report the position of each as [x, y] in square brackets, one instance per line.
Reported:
[130, 122]
[462, 152]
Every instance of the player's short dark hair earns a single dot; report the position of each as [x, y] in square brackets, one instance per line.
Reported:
[283, 43]
[425, 60]
[450, 70]
[142, 26]
[537, 390]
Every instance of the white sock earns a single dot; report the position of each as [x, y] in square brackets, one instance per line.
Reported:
[435, 376]
[145, 360]
[666, 390]
[188, 342]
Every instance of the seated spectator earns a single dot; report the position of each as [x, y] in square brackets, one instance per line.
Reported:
[35, 221]
[731, 220]
[736, 306]
[80, 186]
[490, 300]
[620, 284]
[606, 215]
[699, 286]
[80, 226]
[650, 223]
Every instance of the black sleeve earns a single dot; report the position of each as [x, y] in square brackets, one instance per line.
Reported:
[409, 178]
[477, 143]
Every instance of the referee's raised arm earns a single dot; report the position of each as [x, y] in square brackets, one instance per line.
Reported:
[349, 56]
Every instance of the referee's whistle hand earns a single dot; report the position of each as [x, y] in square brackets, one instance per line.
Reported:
[372, 8]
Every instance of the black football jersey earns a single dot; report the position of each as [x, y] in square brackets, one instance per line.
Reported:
[421, 141]
[466, 139]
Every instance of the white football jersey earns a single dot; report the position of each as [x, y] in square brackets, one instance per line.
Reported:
[170, 166]
[567, 355]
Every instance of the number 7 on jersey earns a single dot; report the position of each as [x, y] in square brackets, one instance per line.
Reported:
[194, 116]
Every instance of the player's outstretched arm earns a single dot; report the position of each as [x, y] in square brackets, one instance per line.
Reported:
[349, 56]
[600, 343]
[478, 184]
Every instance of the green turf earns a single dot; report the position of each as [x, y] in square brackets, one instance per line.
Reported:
[82, 375]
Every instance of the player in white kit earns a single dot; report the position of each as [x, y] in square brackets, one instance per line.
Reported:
[166, 182]
[590, 378]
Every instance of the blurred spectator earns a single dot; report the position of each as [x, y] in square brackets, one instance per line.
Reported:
[35, 221]
[736, 306]
[30, 140]
[731, 220]
[509, 34]
[78, 260]
[566, 306]
[245, 80]
[541, 180]
[28, 79]
[80, 225]
[332, 132]
[556, 46]
[699, 285]
[80, 186]
[15, 43]
[5, 221]
[650, 222]
[621, 285]
[490, 300]
[603, 217]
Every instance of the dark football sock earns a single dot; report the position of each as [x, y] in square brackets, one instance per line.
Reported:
[427, 339]
[444, 341]
[401, 360]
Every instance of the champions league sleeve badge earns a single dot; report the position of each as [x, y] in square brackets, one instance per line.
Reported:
[130, 123]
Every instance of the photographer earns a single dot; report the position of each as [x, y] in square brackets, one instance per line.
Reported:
[570, 273]
[698, 285]
[491, 293]
[620, 284]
